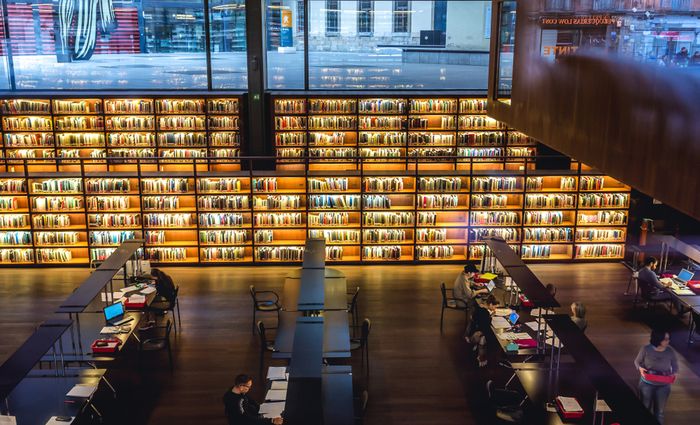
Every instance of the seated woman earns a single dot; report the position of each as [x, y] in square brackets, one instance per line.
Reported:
[480, 326]
[578, 315]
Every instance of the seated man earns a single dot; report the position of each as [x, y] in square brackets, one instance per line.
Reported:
[241, 410]
[652, 288]
[465, 289]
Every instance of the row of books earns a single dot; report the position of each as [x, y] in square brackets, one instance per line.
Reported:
[434, 251]
[117, 106]
[537, 183]
[56, 203]
[385, 106]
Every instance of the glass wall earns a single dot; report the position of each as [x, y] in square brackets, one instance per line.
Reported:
[285, 44]
[506, 48]
[358, 45]
[116, 44]
[666, 34]
[227, 32]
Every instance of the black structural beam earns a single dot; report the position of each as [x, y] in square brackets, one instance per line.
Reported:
[591, 364]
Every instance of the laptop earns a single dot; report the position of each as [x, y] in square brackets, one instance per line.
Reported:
[513, 318]
[114, 315]
[490, 285]
[684, 277]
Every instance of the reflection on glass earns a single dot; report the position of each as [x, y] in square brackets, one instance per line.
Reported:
[285, 44]
[666, 37]
[227, 34]
[120, 44]
[358, 45]
[506, 47]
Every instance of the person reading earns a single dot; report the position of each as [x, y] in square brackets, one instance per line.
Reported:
[241, 409]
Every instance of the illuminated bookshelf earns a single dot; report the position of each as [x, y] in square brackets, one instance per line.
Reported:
[79, 128]
[28, 130]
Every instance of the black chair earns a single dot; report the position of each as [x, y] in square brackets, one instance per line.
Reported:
[265, 344]
[633, 281]
[352, 305]
[449, 303]
[266, 302]
[644, 295]
[361, 407]
[165, 305]
[158, 342]
[508, 404]
[694, 322]
[361, 343]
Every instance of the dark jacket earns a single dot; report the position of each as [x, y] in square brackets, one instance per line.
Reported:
[649, 282]
[241, 410]
[481, 321]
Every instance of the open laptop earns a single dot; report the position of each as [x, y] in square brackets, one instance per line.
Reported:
[114, 315]
[513, 318]
[684, 276]
[490, 285]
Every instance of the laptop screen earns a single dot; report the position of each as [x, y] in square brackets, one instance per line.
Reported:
[113, 311]
[685, 275]
[513, 317]
[490, 285]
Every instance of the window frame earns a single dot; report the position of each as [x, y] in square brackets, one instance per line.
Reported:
[367, 12]
[396, 15]
[332, 11]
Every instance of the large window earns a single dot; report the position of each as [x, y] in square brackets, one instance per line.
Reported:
[506, 47]
[227, 32]
[401, 17]
[332, 17]
[365, 20]
[285, 44]
[122, 44]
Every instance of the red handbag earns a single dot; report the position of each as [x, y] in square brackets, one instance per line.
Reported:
[111, 347]
[661, 379]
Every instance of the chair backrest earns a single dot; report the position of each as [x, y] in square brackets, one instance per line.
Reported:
[366, 327]
[364, 398]
[164, 285]
[168, 328]
[443, 290]
[353, 302]
[252, 292]
[489, 388]
[261, 332]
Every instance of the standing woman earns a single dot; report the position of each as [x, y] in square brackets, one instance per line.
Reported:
[658, 366]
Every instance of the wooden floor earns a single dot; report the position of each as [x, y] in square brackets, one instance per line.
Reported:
[417, 375]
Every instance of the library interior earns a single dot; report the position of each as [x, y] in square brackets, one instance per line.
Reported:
[495, 203]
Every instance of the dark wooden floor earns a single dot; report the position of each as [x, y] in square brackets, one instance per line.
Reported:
[417, 375]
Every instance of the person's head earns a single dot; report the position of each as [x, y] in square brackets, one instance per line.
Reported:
[578, 310]
[491, 303]
[242, 384]
[651, 262]
[684, 50]
[470, 269]
[659, 338]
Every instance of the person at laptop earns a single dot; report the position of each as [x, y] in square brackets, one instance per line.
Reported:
[480, 326]
[649, 282]
[242, 410]
[465, 290]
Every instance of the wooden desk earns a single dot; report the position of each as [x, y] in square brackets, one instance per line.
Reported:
[336, 334]
[328, 293]
[35, 399]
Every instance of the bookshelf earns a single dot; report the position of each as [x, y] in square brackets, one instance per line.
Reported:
[401, 203]
[171, 129]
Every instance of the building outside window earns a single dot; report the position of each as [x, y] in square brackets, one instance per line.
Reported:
[365, 18]
[332, 17]
[300, 16]
[401, 15]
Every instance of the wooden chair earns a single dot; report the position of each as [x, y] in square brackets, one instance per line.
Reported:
[361, 343]
[449, 303]
[158, 343]
[265, 302]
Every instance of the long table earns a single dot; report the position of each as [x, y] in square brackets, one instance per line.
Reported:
[314, 290]
[336, 334]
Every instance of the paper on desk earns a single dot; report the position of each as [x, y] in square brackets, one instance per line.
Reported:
[148, 290]
[276, 373]
[537, 312]
[278, 385]
[507, 336]
[276, 395]
[82, 391]
[108, 330]
[114, 297]
[502, 312]
[500, 323]
[521, 335]
[532, 325]
[54, 421]
[131, 288]
[8, 420]
[556, 342]
[684, 291]
[569, 404]
[602, 406]
[271, 410]
[666, 280]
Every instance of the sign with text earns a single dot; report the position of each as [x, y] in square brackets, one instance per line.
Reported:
[580, 21]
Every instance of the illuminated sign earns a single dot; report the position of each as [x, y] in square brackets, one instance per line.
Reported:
[580, 21]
